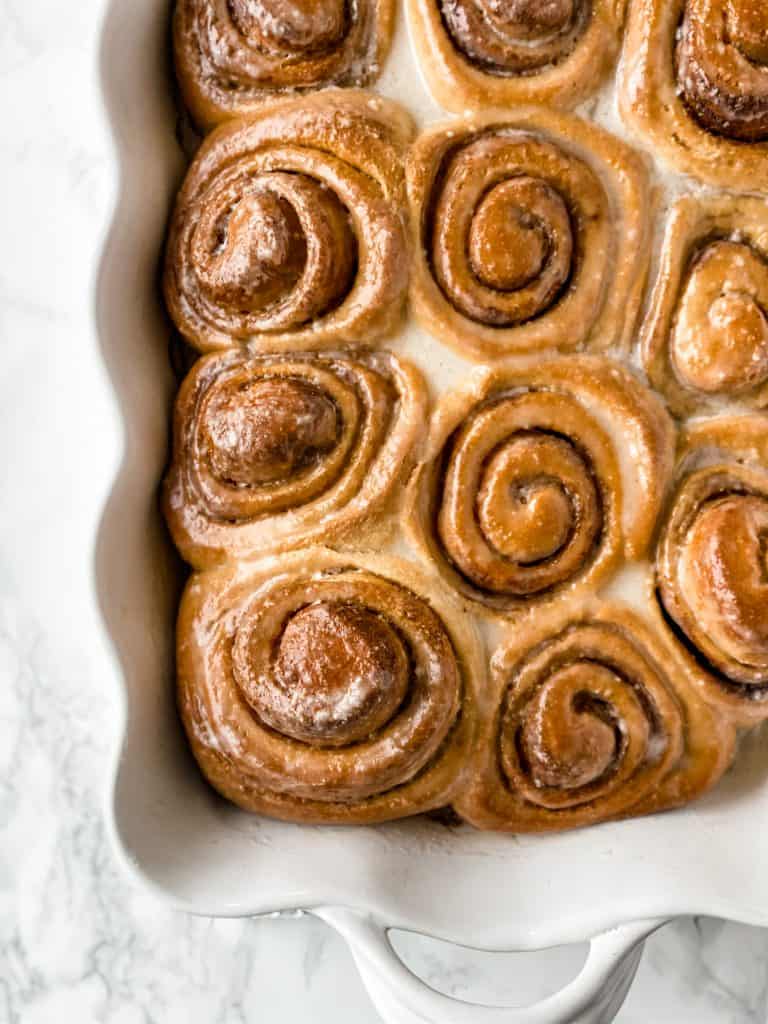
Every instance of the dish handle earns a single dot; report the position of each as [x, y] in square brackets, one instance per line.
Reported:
[594, 996]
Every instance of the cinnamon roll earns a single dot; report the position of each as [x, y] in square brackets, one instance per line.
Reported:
[289, 232]
[539, 478]
[712, 562]
[271, 452]
[694, 81]
[326, 689]
[480, 52]
[705, 339]
[531, 233]
[232, 55]
[590, 717]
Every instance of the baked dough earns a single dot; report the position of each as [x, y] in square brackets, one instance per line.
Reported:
[532, 232]
[540, 477]
[234, 55]
[326, 688]
[711, 562]
[272, 452]
[705, 338]
[694, 82]
[590, 717]
[478, 53]
[290, 232]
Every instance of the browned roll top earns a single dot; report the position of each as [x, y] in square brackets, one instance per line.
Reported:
[289, 230]
[321, 690]
[719, 341]
[530, 233]
[273, 451]
[503, 242]
[328, 662]
[713, 580]
[369, 642]
[539, 511]
[516, 37]
[480, 54]
[266, 431]
[339, 674]
[526, 495]
[232, 55]
[279, 245]
[722, 66]
[705, 337]
[723, 569]
[583, 719]
[279, 27]
[591, 720]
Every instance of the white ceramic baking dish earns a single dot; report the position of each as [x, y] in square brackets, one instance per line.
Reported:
[611, 884]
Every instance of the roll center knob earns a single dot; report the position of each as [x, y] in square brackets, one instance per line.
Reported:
[508, 241]
[262, 254]
[340, 673]
[724, 576]
[566, 743]
[524, 510]
[533, 523]
[720, 339]
[267, 431]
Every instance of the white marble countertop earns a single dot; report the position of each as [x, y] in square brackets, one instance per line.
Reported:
[76, 942]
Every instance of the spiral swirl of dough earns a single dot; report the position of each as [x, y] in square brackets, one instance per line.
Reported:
[530, 233]
[590, 718]
[289, 231]
[519, 37]
[233, 55]
[722, 66]
[477, 53]
[712, 561]
[326, 688]
[540, 477]
[694, 82]
[271, 452]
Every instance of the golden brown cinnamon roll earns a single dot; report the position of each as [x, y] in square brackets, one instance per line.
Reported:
[275, 451]
[712, 562]
[694, 81]
[531, 233]
[289, 231]
[480, 52]
[325, 689]
[232, 55]
[705, 338]
[588, 718]
[540, 477]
